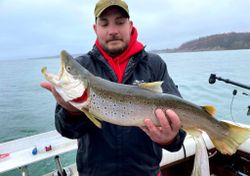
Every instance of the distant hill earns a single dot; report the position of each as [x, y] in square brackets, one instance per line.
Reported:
[226, 41]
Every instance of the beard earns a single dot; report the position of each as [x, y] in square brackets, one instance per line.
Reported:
[114, 51]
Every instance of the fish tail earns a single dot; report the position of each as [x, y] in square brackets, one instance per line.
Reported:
[230, 142]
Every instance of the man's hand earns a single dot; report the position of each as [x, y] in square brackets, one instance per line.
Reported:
[169, 127]
[58, 98]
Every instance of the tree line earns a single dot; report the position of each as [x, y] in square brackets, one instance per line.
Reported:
[225, 41]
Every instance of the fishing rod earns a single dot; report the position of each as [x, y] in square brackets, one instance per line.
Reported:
[212, 79]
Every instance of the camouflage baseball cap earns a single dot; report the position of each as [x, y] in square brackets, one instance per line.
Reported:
[101, 5]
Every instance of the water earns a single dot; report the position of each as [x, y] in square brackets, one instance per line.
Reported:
[26, 109]
[191, 71]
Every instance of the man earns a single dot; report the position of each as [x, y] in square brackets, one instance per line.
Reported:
[118, 56]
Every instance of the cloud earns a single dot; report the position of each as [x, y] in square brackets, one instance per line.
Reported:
[37, 24]
[174, 22]
[42, 27]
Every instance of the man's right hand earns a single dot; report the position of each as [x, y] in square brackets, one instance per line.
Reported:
[59, 99]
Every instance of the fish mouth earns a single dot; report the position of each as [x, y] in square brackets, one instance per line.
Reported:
[53, 78]
[63, 57]
[70, 87]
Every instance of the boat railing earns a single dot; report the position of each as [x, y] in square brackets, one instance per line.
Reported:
[25, 151]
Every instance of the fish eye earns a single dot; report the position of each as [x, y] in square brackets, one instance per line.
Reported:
[68, 68]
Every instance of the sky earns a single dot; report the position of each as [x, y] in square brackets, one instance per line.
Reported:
[37, 28]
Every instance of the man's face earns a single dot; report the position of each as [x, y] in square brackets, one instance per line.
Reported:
[113, 30]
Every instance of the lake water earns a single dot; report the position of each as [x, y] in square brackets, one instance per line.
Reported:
[26, 109]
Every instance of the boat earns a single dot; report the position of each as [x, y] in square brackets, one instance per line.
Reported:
[23, 152]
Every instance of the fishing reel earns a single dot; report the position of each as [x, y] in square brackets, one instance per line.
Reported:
[212, 79]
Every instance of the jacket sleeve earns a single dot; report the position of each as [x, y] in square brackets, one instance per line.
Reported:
[72, 126]
[169, 86]
[177, 143]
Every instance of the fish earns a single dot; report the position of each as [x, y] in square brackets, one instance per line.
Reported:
[129, 105]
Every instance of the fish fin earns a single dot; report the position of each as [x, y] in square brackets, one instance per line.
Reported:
[92, 118]
[209, 109]
[232, 140]
[153, 86]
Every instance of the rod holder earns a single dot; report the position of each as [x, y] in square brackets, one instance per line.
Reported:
[60, 170]
[24, 171]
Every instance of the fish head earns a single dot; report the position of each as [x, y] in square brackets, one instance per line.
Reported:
[72, 80]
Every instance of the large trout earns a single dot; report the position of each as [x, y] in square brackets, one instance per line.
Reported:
[129, 105]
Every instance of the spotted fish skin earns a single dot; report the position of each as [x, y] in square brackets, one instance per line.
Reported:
[129, 105]
[126, 111]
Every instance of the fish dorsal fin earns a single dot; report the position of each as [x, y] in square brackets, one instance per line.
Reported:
[153, 86]
[209, 109]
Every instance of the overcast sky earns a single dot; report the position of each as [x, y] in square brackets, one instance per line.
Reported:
[34, 28]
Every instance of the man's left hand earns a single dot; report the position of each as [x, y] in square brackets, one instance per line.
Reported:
[169, 127]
